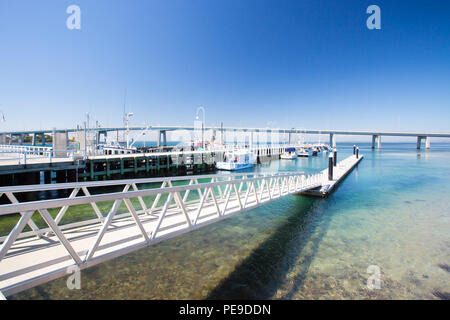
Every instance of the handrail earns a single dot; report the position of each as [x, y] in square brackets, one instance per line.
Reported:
[118, 182]
[56, 203]
[25, 155]
[190, 152]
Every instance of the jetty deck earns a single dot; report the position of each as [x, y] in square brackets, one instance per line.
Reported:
[143, 213]
[25, 168]
[340, 171]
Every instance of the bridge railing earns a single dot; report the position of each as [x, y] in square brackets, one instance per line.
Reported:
[160, 208]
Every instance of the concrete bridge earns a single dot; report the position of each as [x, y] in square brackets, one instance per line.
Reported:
[162, 136]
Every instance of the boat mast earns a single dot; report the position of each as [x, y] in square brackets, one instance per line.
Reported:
[124, 116]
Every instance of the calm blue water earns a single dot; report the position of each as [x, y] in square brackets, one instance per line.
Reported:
[393, 211]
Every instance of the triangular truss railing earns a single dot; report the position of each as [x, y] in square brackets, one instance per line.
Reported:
[187, 205]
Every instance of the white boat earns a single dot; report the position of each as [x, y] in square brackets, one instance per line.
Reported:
[117, 149]
[302, 152]
[321, 147]
[237, 160]
[289, 154]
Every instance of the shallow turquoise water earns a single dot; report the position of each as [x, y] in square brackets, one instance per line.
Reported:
[393, 211]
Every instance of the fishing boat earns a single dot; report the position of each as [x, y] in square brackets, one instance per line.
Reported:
[237, 160]
[289, 154]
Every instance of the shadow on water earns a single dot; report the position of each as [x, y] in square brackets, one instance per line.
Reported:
[261, 274]
[442, 295]
[444, 267]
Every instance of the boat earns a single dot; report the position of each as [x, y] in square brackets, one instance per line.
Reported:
[320, 147]
[237, 160]
[112, 148]
[289, 154]
[315, 151]
[303, 152]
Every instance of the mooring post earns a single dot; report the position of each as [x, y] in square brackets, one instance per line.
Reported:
[354, 149]
[330, 167]
[335, 157]
[357, 152]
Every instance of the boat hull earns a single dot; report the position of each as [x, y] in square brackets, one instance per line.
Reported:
[232, 166]
[288, 157]
[303, 154]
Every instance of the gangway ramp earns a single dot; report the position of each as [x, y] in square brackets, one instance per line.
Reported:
[84, 227]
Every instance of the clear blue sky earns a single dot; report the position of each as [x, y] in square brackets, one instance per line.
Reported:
[306, 64]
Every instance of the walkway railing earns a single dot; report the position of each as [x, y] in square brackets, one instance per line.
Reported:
[262, 150]
[23, 156]
[21, 148]
[84, 227]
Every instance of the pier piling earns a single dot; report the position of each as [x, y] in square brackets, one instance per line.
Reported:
[47, 177]
[330, 167]
[61, 176]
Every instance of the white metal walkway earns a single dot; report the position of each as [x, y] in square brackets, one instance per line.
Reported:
[141, 214]
[85, 229]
